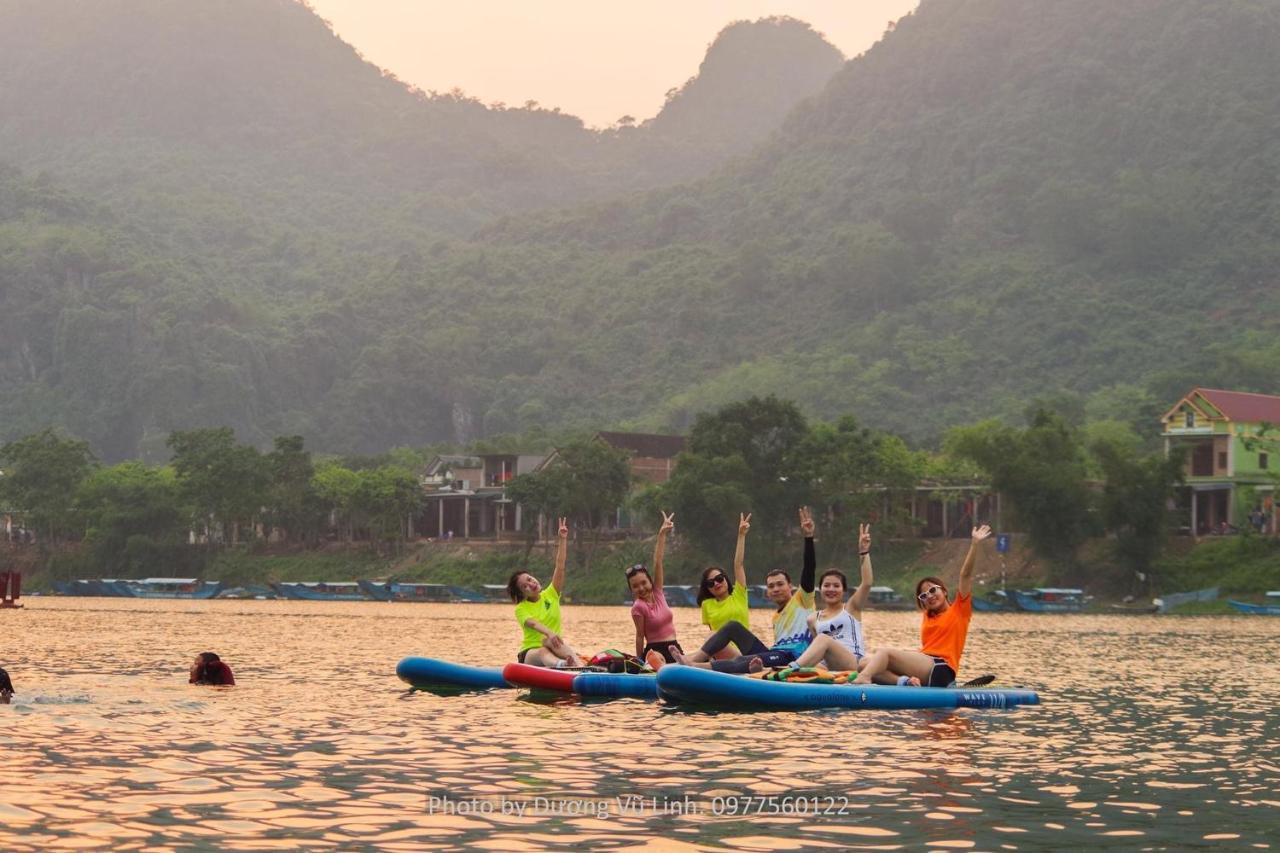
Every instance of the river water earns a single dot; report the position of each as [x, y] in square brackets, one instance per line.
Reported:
[1154, 733]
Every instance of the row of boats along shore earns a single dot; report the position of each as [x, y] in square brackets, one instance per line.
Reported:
[1037, 600]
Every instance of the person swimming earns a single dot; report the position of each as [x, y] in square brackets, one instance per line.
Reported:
[943, 628]
[655, 623]
[208, 668]
[838, 642]
[6, 687]
[538, 612]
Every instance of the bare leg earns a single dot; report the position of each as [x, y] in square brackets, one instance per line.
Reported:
[562, 651]
[883, 662]
[540, 657]
[826, 648]
[816, 651]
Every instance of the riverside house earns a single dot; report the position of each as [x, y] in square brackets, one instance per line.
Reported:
[1232, 444]
[465, 496]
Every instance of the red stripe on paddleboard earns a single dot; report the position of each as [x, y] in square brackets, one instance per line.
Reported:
[524, 675]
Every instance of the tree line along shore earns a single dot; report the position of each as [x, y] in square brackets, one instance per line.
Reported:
[1089, 505]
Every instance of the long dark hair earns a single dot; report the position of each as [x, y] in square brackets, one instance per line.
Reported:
[6, 686]
[704, 592]
[204, 675]
[513, 589]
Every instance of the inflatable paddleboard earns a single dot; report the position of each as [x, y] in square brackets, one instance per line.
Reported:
[432, 674]
[617, 686]
[695, 686]
[539, 677]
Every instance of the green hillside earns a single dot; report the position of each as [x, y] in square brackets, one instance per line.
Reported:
[201, 198]
[233, 220]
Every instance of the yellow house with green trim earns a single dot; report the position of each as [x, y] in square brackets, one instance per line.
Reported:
[1232, 444]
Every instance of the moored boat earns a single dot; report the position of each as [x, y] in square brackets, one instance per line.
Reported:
[887, 598]
[1271, 608]
[320, 590]
[93, 587]
[1049, 600]
[680, 595]
[429, 592]
[996, 601]
[172, 588]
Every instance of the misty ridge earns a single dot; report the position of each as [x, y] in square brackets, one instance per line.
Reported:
[219, 214]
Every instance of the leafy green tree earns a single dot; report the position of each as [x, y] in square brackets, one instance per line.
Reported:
[747, 456]
[221, 481]
[39, 475]
[384, 499]
[292, 503]
[587, 483]
[1041, 469]
[134, 517]
[336, 487]
[850, 468]
[1134, 503]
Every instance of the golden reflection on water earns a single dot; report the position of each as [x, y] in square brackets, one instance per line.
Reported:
[1155, 731]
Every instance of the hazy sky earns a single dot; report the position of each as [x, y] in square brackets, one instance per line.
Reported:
[597, 59]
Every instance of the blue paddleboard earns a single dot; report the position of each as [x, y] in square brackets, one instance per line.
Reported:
[695, 686]
[619, 686]
[432, 674]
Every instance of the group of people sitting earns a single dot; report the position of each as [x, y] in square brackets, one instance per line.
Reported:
[807, 632]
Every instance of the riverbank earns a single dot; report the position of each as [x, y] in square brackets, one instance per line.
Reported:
[1240, 566]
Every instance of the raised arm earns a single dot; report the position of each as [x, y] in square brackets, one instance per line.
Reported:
[739, 554]
[562, 553]
[668, 523]
[966, 568]
[810, 570]
[858, 601]
[639, 620]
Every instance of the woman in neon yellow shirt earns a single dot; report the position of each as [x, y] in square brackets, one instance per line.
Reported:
[538, 612]
[723, 601]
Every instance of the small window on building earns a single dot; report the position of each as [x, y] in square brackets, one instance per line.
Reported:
[1222, 459]
[1191, 420]
[1262, 461]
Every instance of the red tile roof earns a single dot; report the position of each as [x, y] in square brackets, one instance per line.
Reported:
[1242, 406]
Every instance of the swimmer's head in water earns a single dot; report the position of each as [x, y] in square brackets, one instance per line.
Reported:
[6, 686]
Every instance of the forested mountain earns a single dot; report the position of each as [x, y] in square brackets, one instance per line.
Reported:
[219, 184]
[257, 104]
[241, 223]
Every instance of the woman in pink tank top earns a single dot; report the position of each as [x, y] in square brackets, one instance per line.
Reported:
[655, 623]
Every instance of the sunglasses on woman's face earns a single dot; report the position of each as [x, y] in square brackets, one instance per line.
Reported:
[715, 579]
[928, 592]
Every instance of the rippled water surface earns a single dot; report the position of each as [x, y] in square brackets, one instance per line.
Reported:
[1154, 732]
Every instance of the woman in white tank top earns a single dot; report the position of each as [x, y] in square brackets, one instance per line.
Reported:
[837, 627]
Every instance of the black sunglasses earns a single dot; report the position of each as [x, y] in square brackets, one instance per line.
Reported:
[715, 579]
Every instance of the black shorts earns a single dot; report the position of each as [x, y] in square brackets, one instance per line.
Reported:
[942, 675]
[520, 657]
[664, 648]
